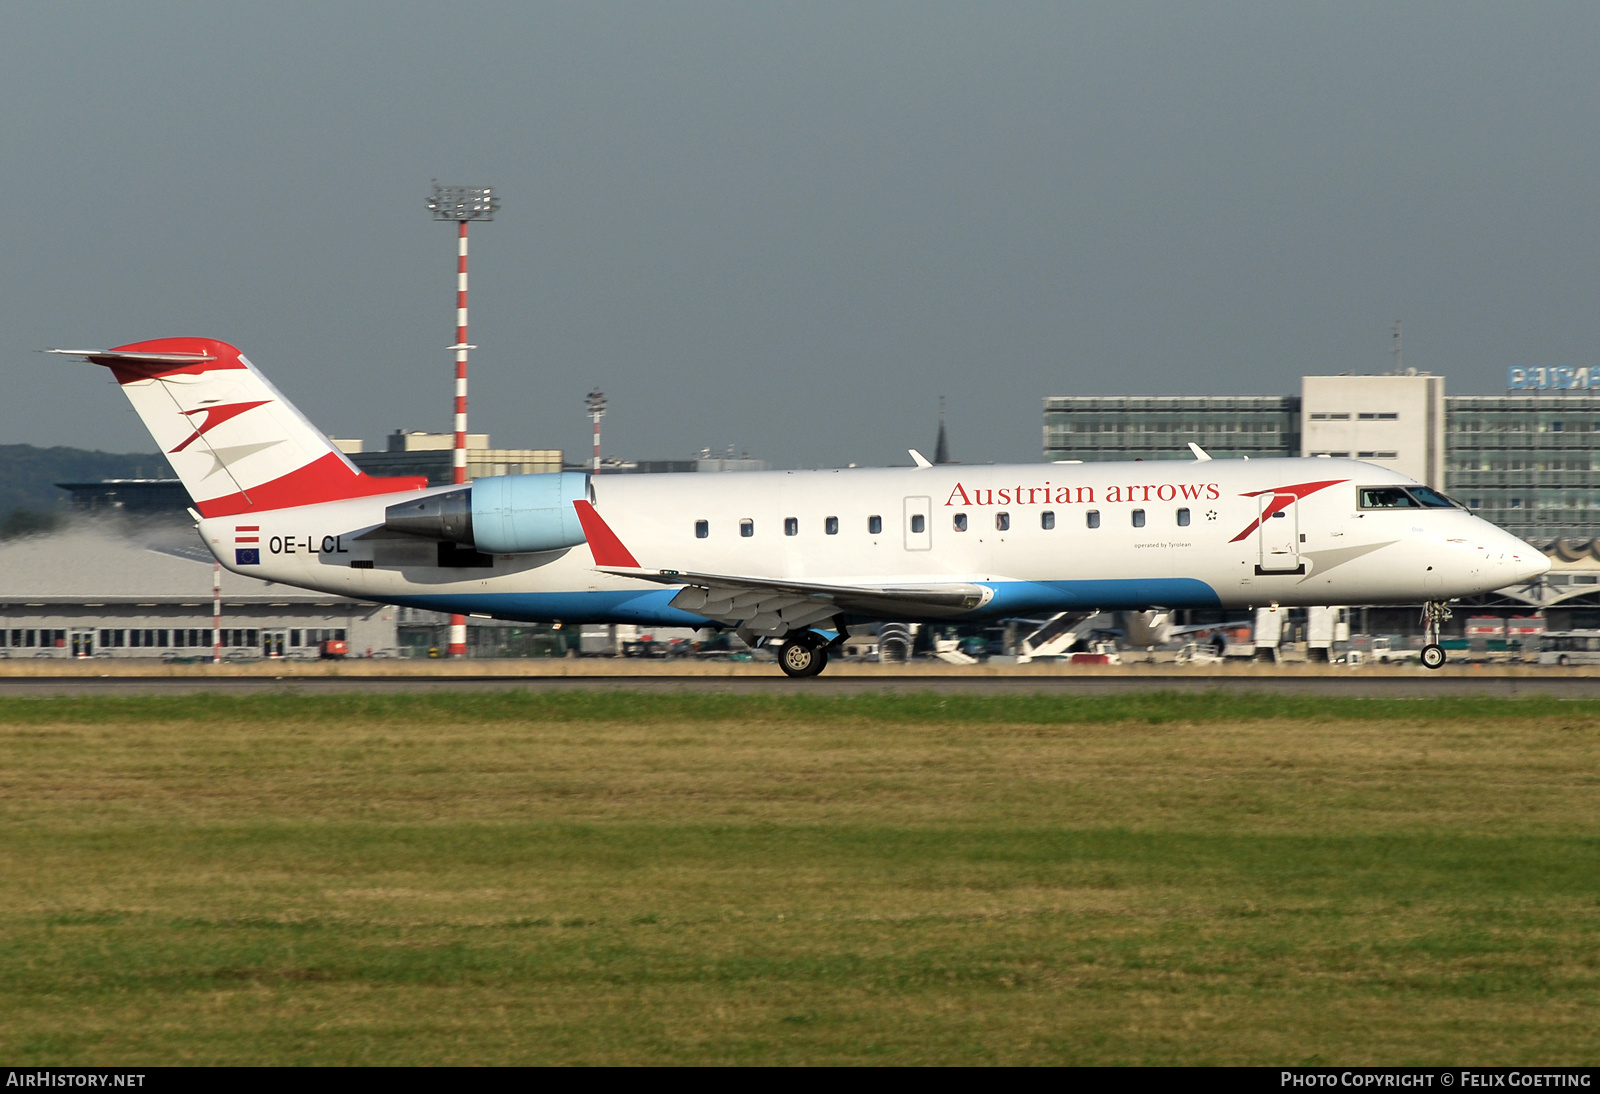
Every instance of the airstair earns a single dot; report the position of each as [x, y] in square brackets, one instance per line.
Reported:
[1060, 633]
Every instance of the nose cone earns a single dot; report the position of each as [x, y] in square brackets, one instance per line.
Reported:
[1534, 568]
[1524, 561]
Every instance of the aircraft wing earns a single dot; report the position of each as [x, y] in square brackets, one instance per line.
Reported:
[769, 605]
[772, 606]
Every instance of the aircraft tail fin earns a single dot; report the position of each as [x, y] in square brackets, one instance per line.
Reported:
[238, 445]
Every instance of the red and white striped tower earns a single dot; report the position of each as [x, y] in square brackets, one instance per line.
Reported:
[458, 457]
[216, 613]
[596, 402]
[461, 204]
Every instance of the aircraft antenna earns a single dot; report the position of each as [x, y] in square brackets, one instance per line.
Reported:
[1396, 351]
[461, 204]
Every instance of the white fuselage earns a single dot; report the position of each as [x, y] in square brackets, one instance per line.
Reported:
[1286, 532]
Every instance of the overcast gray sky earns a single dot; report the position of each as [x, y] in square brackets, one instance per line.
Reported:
[791, 227]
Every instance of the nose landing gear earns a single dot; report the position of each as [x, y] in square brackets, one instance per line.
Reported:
[1434, 613]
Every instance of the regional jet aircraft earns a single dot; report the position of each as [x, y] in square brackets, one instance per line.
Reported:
[797, 558]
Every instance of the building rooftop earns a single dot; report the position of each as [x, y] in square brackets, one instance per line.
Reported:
[106, 562]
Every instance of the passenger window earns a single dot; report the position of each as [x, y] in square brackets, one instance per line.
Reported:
[919, 524]
[791, 526]
[830, 526]
[1091, 519]
[1183, 518]
[1002, 522]
[1138, 518]
[747, 527]
[1047, 520]
[874, 525]
[959, 521]
[702, 529]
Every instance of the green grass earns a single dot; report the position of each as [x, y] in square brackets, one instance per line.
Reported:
[628, 706]
[614, 877]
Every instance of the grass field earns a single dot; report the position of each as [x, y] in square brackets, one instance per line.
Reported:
[621, 878]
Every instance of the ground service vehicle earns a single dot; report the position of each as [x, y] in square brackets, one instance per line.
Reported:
[1569, 648]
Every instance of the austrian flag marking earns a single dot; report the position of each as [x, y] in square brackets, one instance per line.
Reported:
[246, 556]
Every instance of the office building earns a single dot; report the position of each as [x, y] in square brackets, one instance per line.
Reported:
[1527, 462]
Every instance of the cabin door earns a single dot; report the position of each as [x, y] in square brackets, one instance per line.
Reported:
[1279, 534]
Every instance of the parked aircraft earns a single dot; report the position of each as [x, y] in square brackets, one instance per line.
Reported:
[797, 557]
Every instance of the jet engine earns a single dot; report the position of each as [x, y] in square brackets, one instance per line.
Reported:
[500, 515]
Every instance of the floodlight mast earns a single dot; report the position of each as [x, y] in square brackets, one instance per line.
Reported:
[596, 403]
[461, 204]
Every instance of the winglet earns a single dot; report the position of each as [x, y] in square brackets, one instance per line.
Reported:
[922, 461]
[603, 542]
[1200, 454]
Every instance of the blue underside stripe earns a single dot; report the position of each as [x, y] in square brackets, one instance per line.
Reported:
[1010, 598]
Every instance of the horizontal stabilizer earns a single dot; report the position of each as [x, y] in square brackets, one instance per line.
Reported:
[99, 355]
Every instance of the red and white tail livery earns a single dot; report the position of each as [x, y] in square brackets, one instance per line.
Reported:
[237, 444]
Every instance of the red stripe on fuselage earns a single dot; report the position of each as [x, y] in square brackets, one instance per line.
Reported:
[325, 479]
[1285, 495]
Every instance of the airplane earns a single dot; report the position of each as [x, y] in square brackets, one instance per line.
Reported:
[799, 558]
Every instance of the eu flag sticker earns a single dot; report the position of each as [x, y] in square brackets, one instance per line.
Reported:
[247, 556]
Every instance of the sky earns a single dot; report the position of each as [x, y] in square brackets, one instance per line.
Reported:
[790, 228]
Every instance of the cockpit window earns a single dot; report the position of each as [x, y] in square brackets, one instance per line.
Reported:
[1403, 497]
[1432, 499]
[1387, 497]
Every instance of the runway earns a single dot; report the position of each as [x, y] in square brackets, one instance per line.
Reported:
[1353, 686]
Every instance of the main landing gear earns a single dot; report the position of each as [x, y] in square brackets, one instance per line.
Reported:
[1434, 613]
[803, 654]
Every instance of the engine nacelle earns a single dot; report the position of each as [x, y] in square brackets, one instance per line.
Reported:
[500, 515]
[513, 514]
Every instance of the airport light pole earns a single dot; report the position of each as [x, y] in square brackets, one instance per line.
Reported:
[461, 204]
[596, 402]
[216, 613]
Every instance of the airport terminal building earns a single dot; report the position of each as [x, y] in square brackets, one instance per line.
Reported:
[117, 589]
[1529, 462]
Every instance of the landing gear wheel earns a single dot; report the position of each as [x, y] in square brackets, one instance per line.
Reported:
[1434, 613]
[802, 657]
